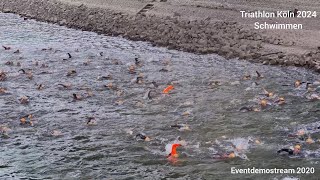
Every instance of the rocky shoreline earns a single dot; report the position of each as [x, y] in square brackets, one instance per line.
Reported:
[228, 39]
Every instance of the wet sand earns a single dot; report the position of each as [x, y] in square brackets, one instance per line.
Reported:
[192, 26]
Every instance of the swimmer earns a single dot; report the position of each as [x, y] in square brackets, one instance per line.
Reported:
[44, 65]
[115, 62]
[89, 92]
[120, 92]
[249, 108]
[17, 51]
[148, 95]
[9, 63]
[155, 85]
[77, 96]
[280, 101]
[313, 97]
[87, 62]
[46, 49]
[181, 127]
[119, 102]
[55, 133]
[6, 47]
[173, 150]
[289, 151]
[298, 83]
[66, 85]
[309, 140]
[300, 132]
[69, 56]
[259, 76]
[72, 72]
[26, 120]
[309, 87]
[24, 100]
[29, 74]
[137, 62]
[263, 103]
[23, 71]
[142, 136]
[163, 70]
[3, 90]
[139, 80]
[267, 93]
[108, 77]
[91, 121]
[168, 89]
[3, 76]
[229, 155]
[246, 77]
[166, 62]
[4, 130]
[132, 69]
[40, 86]
[110, 86]
[186, 113]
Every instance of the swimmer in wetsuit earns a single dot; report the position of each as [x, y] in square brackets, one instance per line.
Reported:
[295, 151]
[142, 136]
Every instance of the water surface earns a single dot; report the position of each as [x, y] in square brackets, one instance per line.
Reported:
[207, 87]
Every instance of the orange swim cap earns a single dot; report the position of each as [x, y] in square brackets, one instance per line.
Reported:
[167, 89]
[174, 150]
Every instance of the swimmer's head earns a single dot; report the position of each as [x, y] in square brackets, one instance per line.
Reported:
[257, 141]
[143, 137]
[297, 149]
[173, 152]
[263, 102]
[232, 155]
[297, 83]
[23, 120]
[281, 100]
[300, 132]
[309, 140]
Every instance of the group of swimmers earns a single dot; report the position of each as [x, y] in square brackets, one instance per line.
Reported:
[267, 98]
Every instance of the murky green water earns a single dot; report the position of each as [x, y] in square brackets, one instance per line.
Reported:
[107, 150]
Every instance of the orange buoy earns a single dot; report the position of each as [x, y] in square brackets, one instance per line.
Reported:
[168, 89]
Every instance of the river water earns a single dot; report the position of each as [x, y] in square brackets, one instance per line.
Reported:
[208, 93]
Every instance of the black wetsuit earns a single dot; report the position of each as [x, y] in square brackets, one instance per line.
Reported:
[289, 151]
[141, 136]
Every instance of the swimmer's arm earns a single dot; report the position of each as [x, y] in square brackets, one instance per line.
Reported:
[286, 150]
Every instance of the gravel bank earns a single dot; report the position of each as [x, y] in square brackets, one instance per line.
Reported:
[226, 38]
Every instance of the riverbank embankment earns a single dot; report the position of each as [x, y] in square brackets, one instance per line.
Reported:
[199, 28]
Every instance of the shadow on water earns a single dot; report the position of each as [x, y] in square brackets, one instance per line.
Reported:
[209, 91]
